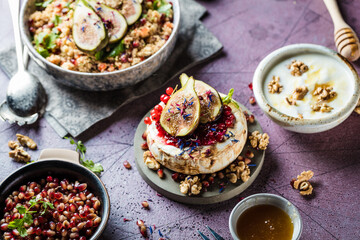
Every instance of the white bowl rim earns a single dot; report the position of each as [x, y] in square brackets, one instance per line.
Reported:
[268, 195]
[31, 48]
[281, 117]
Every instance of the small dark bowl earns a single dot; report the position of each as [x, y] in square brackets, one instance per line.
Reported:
[60, 169]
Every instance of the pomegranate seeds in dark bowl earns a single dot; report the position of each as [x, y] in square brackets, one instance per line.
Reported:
[53, 198]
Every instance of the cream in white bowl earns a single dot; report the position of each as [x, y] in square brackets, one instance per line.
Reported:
[326, 68]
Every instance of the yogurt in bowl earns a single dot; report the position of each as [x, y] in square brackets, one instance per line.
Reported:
[306, 88]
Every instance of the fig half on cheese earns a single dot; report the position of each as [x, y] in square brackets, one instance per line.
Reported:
[181, 115]
[89, 32]
[210, 100]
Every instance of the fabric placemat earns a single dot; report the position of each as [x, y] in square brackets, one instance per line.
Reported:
[71, 111]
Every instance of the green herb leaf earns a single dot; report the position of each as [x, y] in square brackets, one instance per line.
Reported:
[15, 224]
[165, 9]
[57, 20]
[22, 231]
[45, 206]
[228, 99]
[80, 147]
[120, 48]
[28, 219]
[43, 4]
[99, 55]
[21, 209]
[68, 6]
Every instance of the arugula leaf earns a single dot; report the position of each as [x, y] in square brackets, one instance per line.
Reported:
[120, 48]
[43, 4]
[81, 149]
[57, 20]
[228, 99]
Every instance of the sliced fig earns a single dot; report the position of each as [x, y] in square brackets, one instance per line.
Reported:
[131, 9]
[210, 100]
[88, 30]
[114, 21]
[181, 114]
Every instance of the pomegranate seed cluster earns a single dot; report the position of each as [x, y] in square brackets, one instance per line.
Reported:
[75, 214]
[205, 134]
[155, 113]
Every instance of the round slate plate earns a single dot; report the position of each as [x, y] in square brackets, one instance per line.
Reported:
[170, 189]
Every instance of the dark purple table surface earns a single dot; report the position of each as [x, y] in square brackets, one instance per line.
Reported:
[249, 30]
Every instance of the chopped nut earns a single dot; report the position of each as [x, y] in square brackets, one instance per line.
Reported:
[232, 167]
[20, 155]
[249, 154]
[232, 177]
[258, 140]
[150, 161]
[324, 93]
[220, 175]
[298, 94]
[357, 109]
[298, 68]
[145, 204]
[191, 186]
[245, 175]
[322, 107]
[13, 144]
[252, 100]
[241, 165]
[274, 85]
[26, 141]
[302, 183]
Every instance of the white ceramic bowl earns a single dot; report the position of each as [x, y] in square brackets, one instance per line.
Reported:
[298, 124]
[268, 199]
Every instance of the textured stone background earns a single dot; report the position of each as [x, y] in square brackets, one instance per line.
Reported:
[249, 30]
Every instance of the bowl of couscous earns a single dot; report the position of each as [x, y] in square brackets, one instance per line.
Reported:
[100, 45]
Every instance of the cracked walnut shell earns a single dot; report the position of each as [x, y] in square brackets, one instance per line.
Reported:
[26, 141]
[258, 140]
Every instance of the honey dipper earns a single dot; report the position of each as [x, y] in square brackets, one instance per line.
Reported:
[346, 40]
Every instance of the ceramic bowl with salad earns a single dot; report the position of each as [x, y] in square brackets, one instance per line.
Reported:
[100, 45]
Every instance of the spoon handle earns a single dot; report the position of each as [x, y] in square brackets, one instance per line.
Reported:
[335, 14]
[14, 10]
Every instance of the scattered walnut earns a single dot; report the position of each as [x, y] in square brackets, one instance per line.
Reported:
[324, 93]
[298, 68]
[232, 177]
[321, 107]
[150, 161]
[258, 140]
[13, 144]
[26, 141]
[274, 85]
[245, 175]
[20, 155]
[302, 183]
[357, 109]
[191, 185]
[298, 94]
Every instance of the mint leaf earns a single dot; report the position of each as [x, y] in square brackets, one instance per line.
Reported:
[57, 20]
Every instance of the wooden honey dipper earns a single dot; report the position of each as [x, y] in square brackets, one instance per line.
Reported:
[346, 40]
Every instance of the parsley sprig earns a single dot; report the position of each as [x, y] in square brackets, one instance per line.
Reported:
[162, 6]
[228, 99]
[81, 149]
[43, 4]
[19, 224]
[45, 42]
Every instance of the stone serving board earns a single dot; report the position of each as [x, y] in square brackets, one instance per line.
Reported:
[170, 189]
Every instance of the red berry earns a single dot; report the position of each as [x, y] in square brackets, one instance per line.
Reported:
[227, 108]
[228, 123]
[153, 112]
[166, 99]
[155, 117]
[147, 121]
[158, 108]
[175, 176]
[162, 97]
[251, 86]
[169, 91]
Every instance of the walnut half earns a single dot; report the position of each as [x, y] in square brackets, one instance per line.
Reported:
[297, 68]
[26, 141]
[20, 155]
[258, 140]
[150, 161]
[302, 183]
[191, 186]
[274, 85]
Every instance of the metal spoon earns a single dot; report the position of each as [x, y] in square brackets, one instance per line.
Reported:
[26, 97]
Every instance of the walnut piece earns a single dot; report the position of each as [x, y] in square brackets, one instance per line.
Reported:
[298, 68]
[324, 93]
[298, 94]
[245, 175]
[322, 107]
[302, 183]
[150, 161]
[258, 140]
[232, 177]
[357, 109]
[20, 155]
[274, 85]
[13, 144]
[191, 185]
[26, 141]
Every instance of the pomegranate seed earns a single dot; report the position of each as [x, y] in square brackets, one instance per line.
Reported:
[36, 190]
[22, 188]
[73, 61]
[140, 223]
[158, 108]
[153, 112]
[162, 97]
[126, 219]
[124, 58]
[251, 86]
[249, 154]
[145, 204]
[89, 224]
[175, 176]
[155, 117]
[160, 173]
[81, 187]
[59, 226]
[211, 180]
[228, 123]
[144, 135]
[227, 108]
[135, 44]
[143, 21]
[144, 146]
[49, 179]
[58, 195]
[247, 161]
[252, 100]
[127, 164]
[205, 184]
[143, 231]
[147, 121]
[169, 91]
[4, 226]
[82, 238]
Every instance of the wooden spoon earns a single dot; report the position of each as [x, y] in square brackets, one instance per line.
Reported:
[346, 40]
